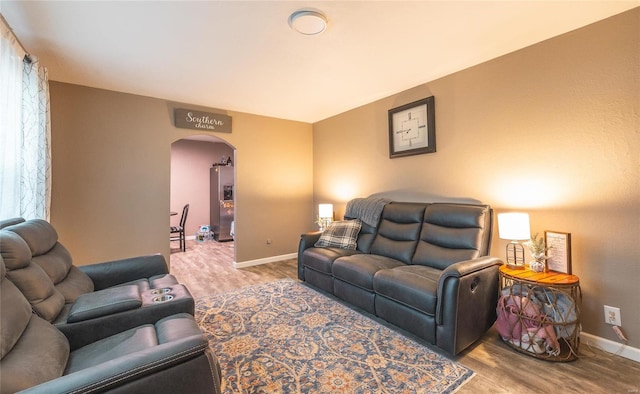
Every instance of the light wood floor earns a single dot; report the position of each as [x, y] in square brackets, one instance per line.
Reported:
[206, 268]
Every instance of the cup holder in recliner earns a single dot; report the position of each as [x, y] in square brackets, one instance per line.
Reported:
[163, 298]
[164, 290]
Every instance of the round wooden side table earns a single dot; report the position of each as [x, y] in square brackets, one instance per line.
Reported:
[542, 312]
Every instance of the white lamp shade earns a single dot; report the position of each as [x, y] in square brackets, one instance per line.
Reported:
[514, 226]
[325, 211]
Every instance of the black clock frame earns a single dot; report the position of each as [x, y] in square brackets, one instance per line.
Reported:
[431, 128]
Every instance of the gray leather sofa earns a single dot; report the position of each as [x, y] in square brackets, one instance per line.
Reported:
[424, 267]
[168, 356]
[92, 301]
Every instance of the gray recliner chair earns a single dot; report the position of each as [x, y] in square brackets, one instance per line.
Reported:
[170, 356]
[98, 299]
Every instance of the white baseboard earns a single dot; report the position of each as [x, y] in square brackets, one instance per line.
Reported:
[265, 260]
[609, 346]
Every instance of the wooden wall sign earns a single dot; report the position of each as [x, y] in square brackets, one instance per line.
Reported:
[198, 120]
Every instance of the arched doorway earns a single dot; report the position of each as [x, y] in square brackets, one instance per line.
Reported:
[193, 159]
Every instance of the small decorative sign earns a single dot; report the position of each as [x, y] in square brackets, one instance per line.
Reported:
[198, 120]
[559, 249]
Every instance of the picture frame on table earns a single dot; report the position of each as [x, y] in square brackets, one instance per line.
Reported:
[559, 251]
[412, 128]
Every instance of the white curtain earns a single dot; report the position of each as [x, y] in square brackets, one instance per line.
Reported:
[25, 133]
[35, 181]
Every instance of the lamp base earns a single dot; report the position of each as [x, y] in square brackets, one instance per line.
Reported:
[515, 255]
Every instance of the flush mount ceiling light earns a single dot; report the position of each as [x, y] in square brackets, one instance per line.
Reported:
[308, 22]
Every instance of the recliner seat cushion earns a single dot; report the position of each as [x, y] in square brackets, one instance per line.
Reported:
[119, 345]
[180, 328]
[415, 286]
[321, 259]
[360, 269]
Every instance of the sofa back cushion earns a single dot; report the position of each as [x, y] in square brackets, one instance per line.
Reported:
[53, 258]
[16, 313]
[10, 222]
[33, 282]
[452, 233]
[365, 238]
[399, 231]
[32, 351]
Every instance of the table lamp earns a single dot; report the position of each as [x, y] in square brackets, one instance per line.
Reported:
[325, 215]
[514, 227]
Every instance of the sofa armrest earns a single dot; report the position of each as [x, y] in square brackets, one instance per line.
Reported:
[467, 267]
[307, 240]
[111, 273]
[467, 300]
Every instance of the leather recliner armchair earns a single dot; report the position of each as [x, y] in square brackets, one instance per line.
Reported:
[171, 355]
[92, 301]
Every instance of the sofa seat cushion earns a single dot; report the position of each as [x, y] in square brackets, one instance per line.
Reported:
[179, 332]
[415, 286]
[359, 269]
[321, 259]
[119, 345]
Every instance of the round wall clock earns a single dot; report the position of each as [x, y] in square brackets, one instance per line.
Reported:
[412, 128]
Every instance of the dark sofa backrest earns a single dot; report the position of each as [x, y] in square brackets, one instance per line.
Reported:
[365, 238]
[399, 231]
[452, 233]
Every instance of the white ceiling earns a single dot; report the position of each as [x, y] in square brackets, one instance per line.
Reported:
[242, 55]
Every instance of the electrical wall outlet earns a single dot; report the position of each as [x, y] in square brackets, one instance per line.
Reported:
[612, 315]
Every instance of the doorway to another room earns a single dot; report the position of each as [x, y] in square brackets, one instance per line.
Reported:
[203, 176]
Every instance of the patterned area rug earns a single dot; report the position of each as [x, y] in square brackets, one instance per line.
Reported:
[283, 337]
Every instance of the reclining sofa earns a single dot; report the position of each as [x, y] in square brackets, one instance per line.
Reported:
[101, 298]
[120, 325]
[422, 266]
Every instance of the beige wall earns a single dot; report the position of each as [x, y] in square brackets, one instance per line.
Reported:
[551, 130]
[191, 162]
[111, 157]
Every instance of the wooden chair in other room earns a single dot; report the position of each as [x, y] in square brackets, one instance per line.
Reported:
[176, 233]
